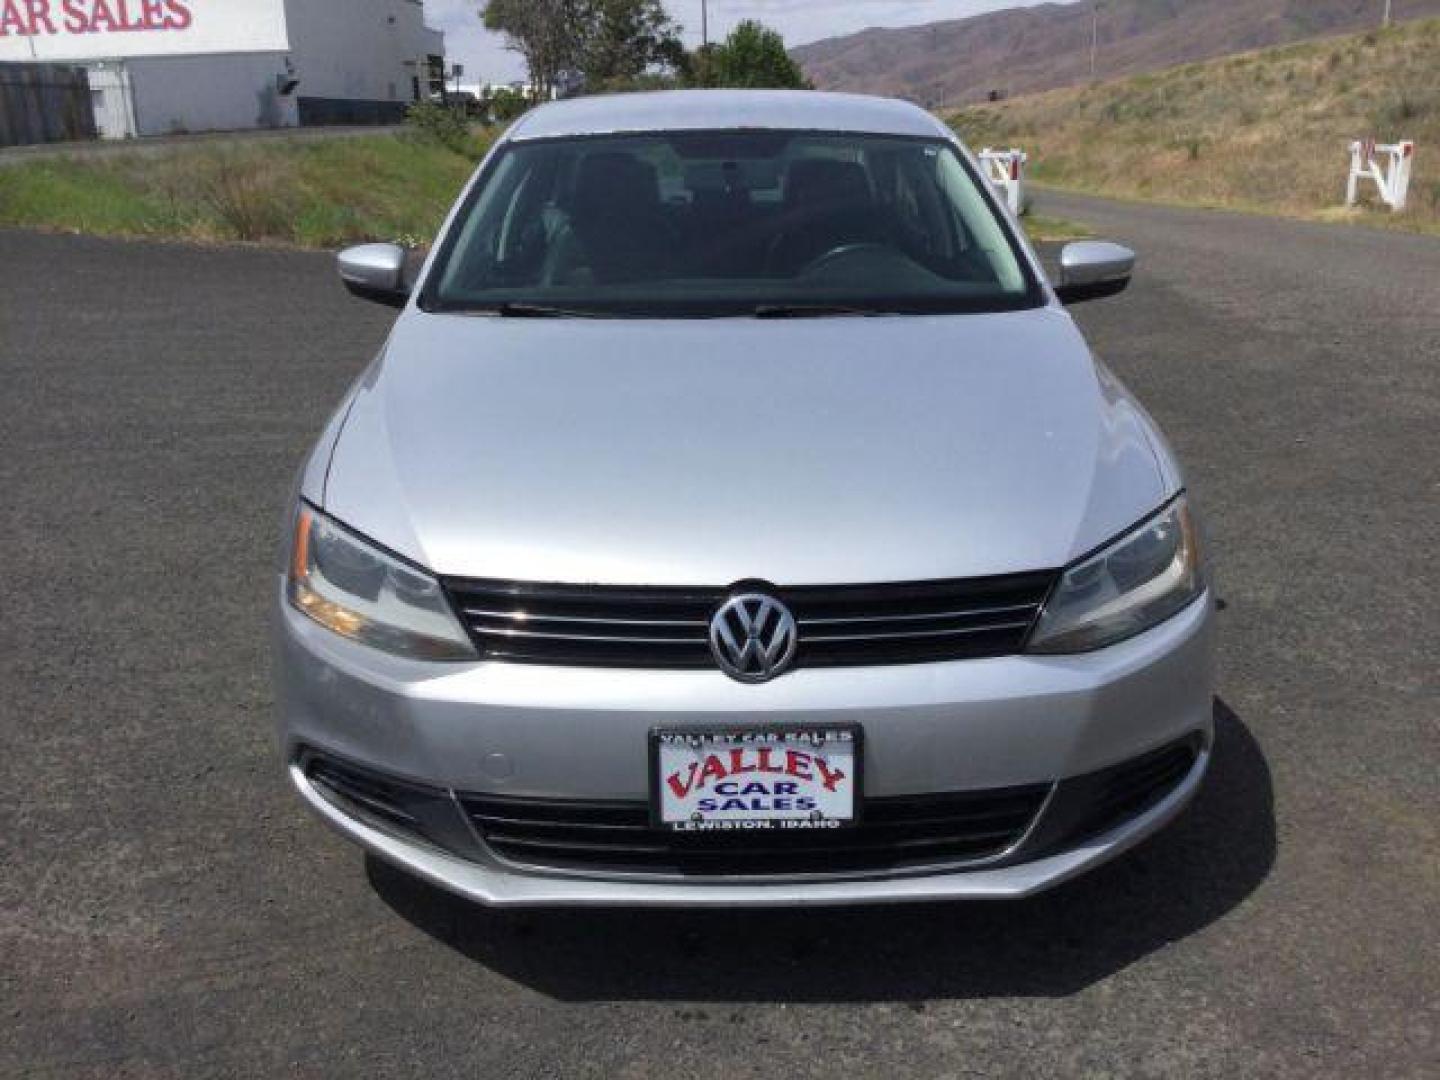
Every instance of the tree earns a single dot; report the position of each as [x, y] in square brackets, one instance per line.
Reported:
[626, 38]
[602, 41]
[545, 32]
[752, 56]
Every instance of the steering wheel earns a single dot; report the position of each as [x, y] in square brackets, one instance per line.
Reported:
[840, 251]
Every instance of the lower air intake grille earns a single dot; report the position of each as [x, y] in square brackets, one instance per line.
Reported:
[658, 627]
[372, 793]
[415, 811]
[897, 833]
[1127, 790]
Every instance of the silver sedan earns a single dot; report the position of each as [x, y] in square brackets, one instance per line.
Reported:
[735, 515]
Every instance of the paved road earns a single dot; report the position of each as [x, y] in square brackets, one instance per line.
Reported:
[167, 909]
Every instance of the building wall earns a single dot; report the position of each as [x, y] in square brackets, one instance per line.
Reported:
[367, 52]
[355, 61]
[210, 93]
[81, 31]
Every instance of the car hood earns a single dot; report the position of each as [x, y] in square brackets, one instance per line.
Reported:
[817, 451]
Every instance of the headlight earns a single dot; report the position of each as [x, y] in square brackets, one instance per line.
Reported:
[1135, 583]
[351, 587]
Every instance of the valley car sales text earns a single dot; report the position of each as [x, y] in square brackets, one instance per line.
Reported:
[756, 792]
[40, 18]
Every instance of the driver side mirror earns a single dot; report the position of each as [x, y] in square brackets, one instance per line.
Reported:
[375, 272]
[1090, 269]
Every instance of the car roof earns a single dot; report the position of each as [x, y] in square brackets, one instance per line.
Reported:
[712, 110]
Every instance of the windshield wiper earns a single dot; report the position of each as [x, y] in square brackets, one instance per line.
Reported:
[523, 310]
[814, 311]
[536, 311]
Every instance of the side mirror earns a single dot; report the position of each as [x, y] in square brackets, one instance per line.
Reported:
[375, 272]
[1090, 269]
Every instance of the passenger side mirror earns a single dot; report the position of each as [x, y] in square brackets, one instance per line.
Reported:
[1090, 269]
[375, 272]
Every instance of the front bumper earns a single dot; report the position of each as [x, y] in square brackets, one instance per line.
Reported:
[961, 726]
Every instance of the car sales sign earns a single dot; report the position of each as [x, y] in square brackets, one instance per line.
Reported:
[782, 779]
[61, 31]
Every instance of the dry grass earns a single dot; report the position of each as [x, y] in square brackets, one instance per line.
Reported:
[1052, 229]
[1264, 131]
[247, 196]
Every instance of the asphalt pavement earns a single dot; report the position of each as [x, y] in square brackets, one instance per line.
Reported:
[168, 909]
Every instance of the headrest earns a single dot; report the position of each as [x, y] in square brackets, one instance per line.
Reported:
[611, 183]
[818, 181]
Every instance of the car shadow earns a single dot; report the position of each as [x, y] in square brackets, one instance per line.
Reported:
[1055, 944]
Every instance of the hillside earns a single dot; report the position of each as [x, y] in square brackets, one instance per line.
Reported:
[1024, 50]
[1266, 130]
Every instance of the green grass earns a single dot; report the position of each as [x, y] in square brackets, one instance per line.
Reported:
[319, 193]
[1266, 132]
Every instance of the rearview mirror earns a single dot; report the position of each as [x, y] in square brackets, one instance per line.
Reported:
[1090, 269]
[375, 272]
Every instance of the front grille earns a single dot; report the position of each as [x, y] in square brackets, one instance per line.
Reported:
[907, 624]
[579, 625]
[617, 837]
[659, 627]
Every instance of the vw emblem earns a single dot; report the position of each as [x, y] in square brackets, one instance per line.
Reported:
[753, 637]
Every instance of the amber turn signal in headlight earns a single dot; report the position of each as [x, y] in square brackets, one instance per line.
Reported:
[350, 586]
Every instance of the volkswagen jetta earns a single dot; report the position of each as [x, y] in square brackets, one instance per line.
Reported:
[735, 515]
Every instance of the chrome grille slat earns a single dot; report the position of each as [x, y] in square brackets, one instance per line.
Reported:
[668, 627]
[626, 639]
[525, 616]
[896, 635]
[937, 616]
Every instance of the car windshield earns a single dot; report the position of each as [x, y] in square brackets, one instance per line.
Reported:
[707, 224]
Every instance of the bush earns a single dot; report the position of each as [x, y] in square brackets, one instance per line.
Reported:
[506, 104]
[446, 126]
[247, 196]
[1402, 110]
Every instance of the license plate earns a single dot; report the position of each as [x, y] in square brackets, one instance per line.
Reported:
[771, 779]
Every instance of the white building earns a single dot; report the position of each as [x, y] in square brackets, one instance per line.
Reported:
[164, 66]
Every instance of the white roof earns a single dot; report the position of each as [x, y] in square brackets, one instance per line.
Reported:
[711, 110]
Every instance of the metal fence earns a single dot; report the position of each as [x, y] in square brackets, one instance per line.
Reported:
[44, 103]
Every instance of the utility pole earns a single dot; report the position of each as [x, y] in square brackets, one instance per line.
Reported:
[1386, 21]
[1094, 36]
[705, 23]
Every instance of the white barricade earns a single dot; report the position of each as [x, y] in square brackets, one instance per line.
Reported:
[1005, 169]
[1389, 166]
